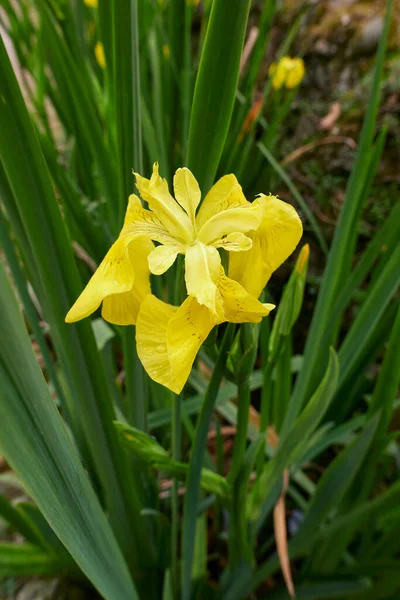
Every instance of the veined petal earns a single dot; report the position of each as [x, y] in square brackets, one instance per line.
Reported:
[141, 222]
[187, 192]
[151, 340]
[234, 242]
[239, 305]
[186, 331]
[225, 193]
[161, 258]
[115, 275]
[202, 267]
[156, 193]
[274, 241]
[122, 309]
[241, 219]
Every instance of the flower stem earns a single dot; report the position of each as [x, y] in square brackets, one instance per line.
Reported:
[176, 455]
[191, 500]
[243, 405]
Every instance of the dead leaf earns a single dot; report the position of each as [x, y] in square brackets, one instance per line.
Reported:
[281, 536]
[330, 119]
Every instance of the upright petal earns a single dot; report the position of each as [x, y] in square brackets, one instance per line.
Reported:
[239, 305]
[274, 241]
[115, 275]
[151, 340]
[140, 222]
[156, 193]
[241, 219]
[234, 242]
[202, 267]
[162, 258]
[226, 193]
[187, 192]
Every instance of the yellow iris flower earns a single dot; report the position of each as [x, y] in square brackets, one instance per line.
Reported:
[100, 55]
[91, 3]
[289, 72]
[258, 236]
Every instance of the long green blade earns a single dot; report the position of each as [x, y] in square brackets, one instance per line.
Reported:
[37, 446]
[214, 94]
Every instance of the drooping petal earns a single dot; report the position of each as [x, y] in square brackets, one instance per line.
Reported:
[274, 241]
[234, 242]
[151, 340]
[140, 222]
[186, 331]
[169, 337]
[121, 281]
[162, 258]
[225, 193]
[241, 219]
[202, 267]
[187, 191]
[156, 193]
[115, 275]
[239, 305]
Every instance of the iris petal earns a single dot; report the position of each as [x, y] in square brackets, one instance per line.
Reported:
[274, 241]
[187, 191]
[156, 193]
[202, 267]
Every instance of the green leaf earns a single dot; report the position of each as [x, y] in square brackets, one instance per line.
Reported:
[340, 256]
[291, 446]
[336, 481]
[215, 89]
[36, 444]
[24, 560]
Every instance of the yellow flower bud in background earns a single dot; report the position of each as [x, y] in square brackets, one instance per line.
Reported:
[166, 51]
[287, 72]
[99, 54]
[91, 3]
[303, 258]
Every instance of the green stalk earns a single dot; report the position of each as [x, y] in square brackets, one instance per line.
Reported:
[186, 77]
[190, 506]
[243, 403]
[176, 455]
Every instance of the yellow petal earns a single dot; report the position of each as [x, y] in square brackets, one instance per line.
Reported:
[161, 258]
[241, 219]
[226, 193]
[168, 339]
[274, 241]
[239, 305]
[186, 331]
[91, 3]
[187, 191]
[121, 282]
[141, 222]
[296, 73]
[115, 275]
[156, 193]
[151, 340]
[202, 267]
[234, 242]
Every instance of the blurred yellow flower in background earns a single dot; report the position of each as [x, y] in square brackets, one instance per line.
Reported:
[100, 55]
[91, 3]
[288, 72]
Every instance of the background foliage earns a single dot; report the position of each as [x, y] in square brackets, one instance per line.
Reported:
[279, 461]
